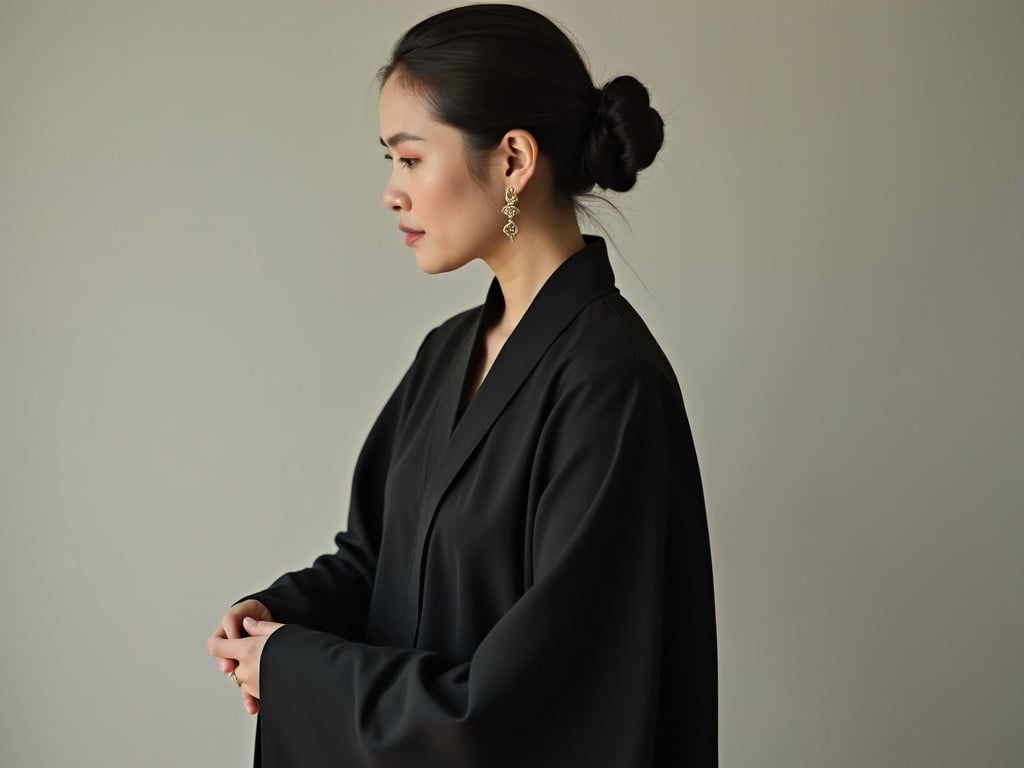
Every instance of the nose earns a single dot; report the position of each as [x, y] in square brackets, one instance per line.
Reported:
[394, 198]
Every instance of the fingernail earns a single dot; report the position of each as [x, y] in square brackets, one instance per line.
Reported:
[248, 622]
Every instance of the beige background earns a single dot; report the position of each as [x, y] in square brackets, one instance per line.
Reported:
[203, 304]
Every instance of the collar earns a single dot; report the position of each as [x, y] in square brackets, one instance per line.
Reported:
[577, 281]
[585, 276]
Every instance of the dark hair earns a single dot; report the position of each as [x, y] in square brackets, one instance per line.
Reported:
[486, 69]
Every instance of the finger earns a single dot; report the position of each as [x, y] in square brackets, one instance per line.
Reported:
[244, 688]
[253, 608]
[218, 634]
[251, 703]
[231, 625]
[227, 649]
[247, 694]
[260, 628]
[232, 621]
[227, 666]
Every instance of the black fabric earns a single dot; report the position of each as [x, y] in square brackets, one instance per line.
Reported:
[528, 584]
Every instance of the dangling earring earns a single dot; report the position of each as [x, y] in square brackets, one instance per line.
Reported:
[510, 210]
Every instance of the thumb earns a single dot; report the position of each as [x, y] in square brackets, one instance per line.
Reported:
[260, 628]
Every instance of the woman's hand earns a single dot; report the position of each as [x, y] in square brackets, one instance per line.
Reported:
[236, 652]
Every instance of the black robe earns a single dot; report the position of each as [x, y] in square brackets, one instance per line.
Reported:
[526, 584]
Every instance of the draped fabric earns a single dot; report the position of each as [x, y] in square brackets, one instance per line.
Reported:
[526, 583]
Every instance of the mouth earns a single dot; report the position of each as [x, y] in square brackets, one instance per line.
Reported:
[411, 235]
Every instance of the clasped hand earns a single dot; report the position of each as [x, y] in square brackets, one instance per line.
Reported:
[237, 644]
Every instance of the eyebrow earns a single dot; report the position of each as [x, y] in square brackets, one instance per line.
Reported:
[398, 137]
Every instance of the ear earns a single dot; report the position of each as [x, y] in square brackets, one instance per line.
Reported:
[516, 158]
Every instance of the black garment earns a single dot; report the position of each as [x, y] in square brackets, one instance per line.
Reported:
[528, 585]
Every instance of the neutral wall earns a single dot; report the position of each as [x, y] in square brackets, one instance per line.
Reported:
[193, 253]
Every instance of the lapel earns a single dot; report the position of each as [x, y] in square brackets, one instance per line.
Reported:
[579, 280]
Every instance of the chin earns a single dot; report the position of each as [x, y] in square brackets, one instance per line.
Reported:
[431, 265]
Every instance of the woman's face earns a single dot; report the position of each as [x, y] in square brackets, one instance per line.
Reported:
[430, 187]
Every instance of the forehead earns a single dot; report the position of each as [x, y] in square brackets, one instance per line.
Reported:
[401, 109]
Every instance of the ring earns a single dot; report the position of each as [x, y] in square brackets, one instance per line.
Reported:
[234, 677]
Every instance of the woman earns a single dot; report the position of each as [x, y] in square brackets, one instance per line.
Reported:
[526, 577]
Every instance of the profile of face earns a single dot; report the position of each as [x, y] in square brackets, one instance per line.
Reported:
[431, 189]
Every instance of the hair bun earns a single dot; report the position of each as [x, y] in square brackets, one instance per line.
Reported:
[626, 135]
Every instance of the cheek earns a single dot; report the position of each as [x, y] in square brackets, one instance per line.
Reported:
[459, 216]
[449, 191]
[452, 196]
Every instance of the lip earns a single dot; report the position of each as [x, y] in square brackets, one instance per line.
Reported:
[411, 235]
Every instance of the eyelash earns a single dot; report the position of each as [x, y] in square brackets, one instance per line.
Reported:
[407, 161]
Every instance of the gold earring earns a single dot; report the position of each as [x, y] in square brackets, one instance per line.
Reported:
[510, 210]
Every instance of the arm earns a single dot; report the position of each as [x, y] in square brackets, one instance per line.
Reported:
[570, 675]
[333, 594]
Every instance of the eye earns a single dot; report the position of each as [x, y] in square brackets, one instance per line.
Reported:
[408, 162]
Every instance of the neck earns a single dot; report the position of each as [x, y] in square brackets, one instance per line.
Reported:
[523, 266]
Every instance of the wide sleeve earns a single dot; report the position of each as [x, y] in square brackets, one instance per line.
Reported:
[333, 594]
[570, 675]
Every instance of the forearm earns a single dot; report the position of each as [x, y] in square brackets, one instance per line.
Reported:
[332, 595]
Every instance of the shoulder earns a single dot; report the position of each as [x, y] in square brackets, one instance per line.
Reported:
[609, 341]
